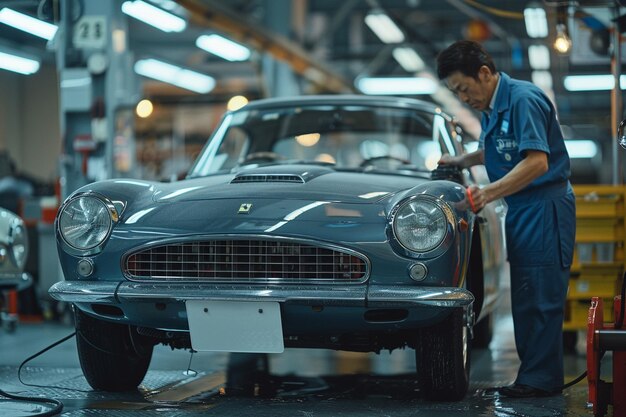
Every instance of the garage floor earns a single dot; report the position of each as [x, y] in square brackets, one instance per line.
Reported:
[305, 383]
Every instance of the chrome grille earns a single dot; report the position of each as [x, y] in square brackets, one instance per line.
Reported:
[262, 261]
[267, 178]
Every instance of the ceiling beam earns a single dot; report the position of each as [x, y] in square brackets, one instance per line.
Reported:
[210, 14]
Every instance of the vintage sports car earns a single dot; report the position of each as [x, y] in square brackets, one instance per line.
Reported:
[315, 222]
[13, 255]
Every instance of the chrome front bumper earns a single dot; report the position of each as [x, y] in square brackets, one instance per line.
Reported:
[15, 281]
[373, 296]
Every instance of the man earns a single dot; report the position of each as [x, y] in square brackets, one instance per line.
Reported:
[522, 148]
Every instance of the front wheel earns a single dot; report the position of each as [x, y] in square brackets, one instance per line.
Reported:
[443, 359]
[113, 357]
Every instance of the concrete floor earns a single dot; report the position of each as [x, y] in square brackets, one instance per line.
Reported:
[307, 383]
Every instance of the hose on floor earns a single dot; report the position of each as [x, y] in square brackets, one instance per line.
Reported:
[57, 406]
[618, 325]
[56, 409]
[575, 381]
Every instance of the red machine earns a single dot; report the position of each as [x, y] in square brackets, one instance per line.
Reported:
[603, 337]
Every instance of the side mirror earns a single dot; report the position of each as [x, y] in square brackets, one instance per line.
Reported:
[620, 134]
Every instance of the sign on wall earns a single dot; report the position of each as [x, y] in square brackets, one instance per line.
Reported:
[90, 32]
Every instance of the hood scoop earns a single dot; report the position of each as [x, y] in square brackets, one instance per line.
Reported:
[248, 178]
[292, 174]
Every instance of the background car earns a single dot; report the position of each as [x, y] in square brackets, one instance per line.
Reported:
[317, 222]
[13, 255]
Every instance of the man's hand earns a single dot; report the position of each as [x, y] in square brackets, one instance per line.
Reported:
[476, 198]
[465, 160]
[447, 159]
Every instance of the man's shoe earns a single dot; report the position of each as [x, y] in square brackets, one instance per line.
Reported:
[525, 391]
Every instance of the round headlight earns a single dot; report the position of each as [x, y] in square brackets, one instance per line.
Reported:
[85, 222]
[420, 225]
[19, 245]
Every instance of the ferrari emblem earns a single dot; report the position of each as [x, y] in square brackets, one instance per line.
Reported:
[245, 208]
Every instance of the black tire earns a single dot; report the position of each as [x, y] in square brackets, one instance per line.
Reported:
[483, 332]
[443, 359]
[113, 357]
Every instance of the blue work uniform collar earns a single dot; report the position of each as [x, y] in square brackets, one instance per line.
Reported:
[492, 102]
[501, 103]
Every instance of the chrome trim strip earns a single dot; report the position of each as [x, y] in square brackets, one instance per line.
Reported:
[377, 296]
[84, 292]
[381, 296]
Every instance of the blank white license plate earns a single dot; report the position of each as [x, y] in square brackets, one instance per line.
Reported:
[235, 326]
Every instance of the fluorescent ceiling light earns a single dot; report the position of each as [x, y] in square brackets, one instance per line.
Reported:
[184, 78]
[27, 23]
[536, 22]
[397, 85]
[542, 79]
[159, 18]
[384, 27]
[168, 5]
[18, 64]
[598, 82]
[539, 57]
[408, 58]
[222, 47]
[581, 148]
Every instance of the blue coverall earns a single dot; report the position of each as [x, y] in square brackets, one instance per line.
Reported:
[540, 225]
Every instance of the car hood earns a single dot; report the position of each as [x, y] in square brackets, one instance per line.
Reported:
[289, 182]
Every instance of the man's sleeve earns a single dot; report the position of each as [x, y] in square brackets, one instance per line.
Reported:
[530, 117]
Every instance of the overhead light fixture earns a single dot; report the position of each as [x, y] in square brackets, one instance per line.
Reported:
[171, 74]
[236, 102]
[562, 42]
[18, 64]
[597, 82]
[144, 108]
[152, 15]
[382, 25]
[408, 59]
[581, 148]
[396, 85]
[222, 47]
[27, 23]
[170, 5]
[539, 57]
[535, 20]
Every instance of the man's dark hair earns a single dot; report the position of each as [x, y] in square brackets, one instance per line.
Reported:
[464, 56]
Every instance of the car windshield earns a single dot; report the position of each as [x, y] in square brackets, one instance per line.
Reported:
[347, 136]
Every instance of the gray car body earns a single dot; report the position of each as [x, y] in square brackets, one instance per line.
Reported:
[313, 314]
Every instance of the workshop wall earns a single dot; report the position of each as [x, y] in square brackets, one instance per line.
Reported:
[29, 121]
[10, 114]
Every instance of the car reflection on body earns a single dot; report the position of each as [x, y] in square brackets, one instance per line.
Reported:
[313, 222]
